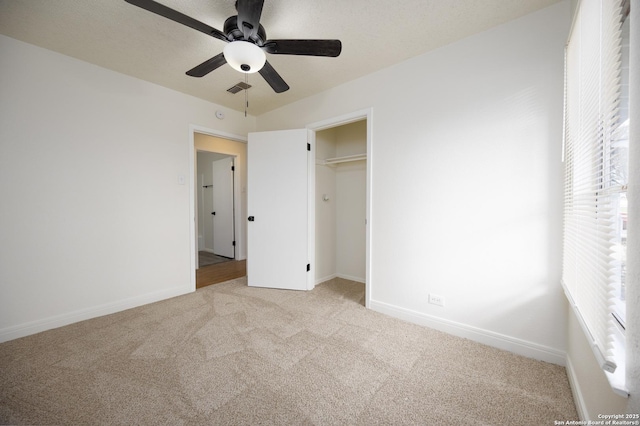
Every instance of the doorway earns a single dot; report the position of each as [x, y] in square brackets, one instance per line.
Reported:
[215, 199]
[224, 146]
[341, 198]
[340, 203]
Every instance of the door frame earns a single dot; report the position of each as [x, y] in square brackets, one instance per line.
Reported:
[237, 195]
[365, 114]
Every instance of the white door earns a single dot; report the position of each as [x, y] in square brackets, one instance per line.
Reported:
[277, 203]
[222, 213]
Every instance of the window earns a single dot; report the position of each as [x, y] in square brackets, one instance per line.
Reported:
[596, 174]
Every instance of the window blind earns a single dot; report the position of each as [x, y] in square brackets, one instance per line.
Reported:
[591, 259]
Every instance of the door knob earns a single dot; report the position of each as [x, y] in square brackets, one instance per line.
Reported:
[213, 213]
[251, 219]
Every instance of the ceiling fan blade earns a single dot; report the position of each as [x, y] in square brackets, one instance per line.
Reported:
[207, 66]
[273, 78]
[249, 12]
[330, 48]
[178, 17]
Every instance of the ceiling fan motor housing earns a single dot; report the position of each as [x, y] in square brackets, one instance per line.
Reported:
[234, 33]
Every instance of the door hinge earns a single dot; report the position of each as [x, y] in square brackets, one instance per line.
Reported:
[308, 267]
[308, 147]
[233, 243]
[233, 168]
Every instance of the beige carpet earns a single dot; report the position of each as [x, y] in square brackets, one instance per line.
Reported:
[233, 355]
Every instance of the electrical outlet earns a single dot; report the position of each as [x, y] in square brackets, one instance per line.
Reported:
[434, 299]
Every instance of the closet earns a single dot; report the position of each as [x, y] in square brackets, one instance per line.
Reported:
[341, 178]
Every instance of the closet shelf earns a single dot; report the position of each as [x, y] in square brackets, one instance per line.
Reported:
[345, 159]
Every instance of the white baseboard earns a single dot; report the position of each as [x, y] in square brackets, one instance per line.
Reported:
[33, 327]
[490, 338]
[578, 399]
[351, 278]
[323, 279]
[345, 277]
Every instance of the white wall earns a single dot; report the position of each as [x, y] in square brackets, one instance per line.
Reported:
[94, 218]
[325, 224]
[351, 197]
[467, 182]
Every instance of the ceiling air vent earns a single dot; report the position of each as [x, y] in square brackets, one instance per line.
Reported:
[238, 88]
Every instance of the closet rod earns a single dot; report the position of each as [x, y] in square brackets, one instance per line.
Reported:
[345, 159]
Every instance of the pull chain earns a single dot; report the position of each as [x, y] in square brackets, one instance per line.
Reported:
[246, 94]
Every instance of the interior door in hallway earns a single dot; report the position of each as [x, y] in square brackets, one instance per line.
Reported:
[222, 212]
[277, 200]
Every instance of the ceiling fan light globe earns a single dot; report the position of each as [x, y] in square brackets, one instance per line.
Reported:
[244, 57]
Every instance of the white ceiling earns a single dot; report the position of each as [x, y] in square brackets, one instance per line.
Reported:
[374, 33]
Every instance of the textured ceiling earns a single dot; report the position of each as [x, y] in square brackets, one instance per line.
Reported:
[375, 34]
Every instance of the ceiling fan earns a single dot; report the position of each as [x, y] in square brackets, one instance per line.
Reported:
[247, 42]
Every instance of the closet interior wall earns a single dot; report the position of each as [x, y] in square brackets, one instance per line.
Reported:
[341, 203]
